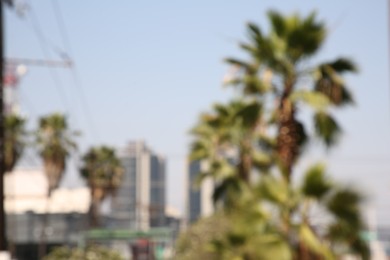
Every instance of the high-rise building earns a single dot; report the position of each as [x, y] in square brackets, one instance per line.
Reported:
[199, 194]
[199, 197]
[140, 201]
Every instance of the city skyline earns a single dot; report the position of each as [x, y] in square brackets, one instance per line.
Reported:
[148, 71]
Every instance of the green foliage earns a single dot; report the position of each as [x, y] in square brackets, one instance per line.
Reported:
[89, 253]
[15, 140]
[302, 36]
[326, 128]
[274, 189]
[195, 242]
[329, 82]
[342, 65]
[344, 204]
[54, 137]
[252, 144]
[102, 169]
[232, 236]
[316, 100]
[262, 161]
[54, 141]
[315, 184]
[103, 173]
[312, 241]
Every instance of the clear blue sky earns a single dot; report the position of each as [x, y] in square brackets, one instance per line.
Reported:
[148, 68]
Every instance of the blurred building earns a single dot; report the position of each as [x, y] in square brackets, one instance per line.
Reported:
[199, 197]
[26, 190]
[173, 221]
[26, 204]
[140, 201]
[383, 235]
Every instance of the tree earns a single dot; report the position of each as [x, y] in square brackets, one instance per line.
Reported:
[320, 218]
[15, 136]
[55, 142]
[103, 172]
[280, 75]
[14, 144]
[261, 132]
[229, 128]
[244, 233]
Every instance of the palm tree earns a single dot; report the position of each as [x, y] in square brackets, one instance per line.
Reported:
[238, 235]
[280, 71]
[15, 135]
[15, 142]
[324, 217]
[226, 140]
[103, 172]
[54, 141]
[229, 129]
[261, 132]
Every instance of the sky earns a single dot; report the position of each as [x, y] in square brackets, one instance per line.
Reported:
[146, 69]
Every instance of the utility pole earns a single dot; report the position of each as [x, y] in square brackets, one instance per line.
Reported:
[67, 63]
[3, 237]
[3, 231]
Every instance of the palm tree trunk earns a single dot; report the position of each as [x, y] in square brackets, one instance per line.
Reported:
[45, 223]
[244, 167]
[287, 140]
[287, 144]
[303, 252]
[245, 164]
[94, 214]
[94, 209]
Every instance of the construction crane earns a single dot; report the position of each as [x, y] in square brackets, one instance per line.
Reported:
[66, 63]
[15, 68]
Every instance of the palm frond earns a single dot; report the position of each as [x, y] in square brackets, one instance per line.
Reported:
[278, 23]
[315, 183]
[344, 204]
[329, 82]
[326, 128]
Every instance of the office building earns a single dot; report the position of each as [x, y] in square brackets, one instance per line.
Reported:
[140, 201]
[199, 197]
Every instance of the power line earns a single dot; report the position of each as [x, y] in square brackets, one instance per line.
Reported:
[44, 47]
[43, 44]
[76, 76]
[61, 26]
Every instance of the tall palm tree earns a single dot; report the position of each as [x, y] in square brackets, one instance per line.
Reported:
[103, 172]
[15, 140]
[281, 71]
[55, 142]
[268, 138]
[14, 144]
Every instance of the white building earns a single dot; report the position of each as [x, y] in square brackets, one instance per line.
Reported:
[26, 191]
[26, 205]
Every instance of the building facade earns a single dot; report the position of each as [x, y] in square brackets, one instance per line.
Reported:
[199, 198]
[140, 201]
[63, 217]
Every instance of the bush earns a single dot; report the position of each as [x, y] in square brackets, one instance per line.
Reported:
[89, 253]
